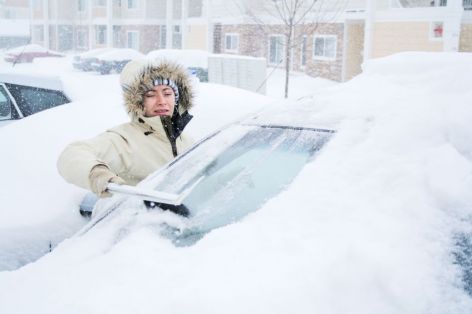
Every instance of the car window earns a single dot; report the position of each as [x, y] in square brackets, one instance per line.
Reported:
[32, 100]
[5, 105]
[235, 175]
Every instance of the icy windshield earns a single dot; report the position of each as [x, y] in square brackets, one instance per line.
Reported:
[236, 171]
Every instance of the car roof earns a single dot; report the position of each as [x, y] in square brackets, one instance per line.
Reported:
[120, 54]
[33, 80]
[291, 114]
[94, 52]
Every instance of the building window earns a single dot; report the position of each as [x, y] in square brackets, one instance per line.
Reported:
[232, 42]
[38, 33]
[100, 3]
[65, 37]
[324, 47]
[100, 34]
[176, 37]
[81, 5]
[303, 51]
[132, 4]
[276, 49]
[81, 39]
[162, 37]
[133, 39]
[437, 29]
[195, 8]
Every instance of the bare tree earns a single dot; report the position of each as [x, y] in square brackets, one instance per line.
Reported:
[298, 18]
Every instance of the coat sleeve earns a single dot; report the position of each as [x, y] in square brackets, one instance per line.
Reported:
[79, 158]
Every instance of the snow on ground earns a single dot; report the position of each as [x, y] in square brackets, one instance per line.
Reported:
[368, 227]
[300, 84]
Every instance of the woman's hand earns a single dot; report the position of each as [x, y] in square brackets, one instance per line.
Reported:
[99, 177]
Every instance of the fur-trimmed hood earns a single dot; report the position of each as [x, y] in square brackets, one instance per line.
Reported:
[138, 76]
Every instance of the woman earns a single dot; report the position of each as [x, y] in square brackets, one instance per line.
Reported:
[157, 97]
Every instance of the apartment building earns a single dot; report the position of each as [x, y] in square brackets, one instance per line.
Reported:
[360, 30]
[344, 36]
[144, 25]
[14, 23]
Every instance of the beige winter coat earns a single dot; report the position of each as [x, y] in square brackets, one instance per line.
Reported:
[124, 149]
[132, 150]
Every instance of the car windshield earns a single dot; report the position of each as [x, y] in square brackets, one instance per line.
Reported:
[236, 171]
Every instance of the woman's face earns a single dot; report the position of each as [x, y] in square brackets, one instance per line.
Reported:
[159, 101]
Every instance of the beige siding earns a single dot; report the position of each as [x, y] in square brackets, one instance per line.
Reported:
[156, 9]
[354, 50]
[37, 14]
[393, 37]
[66, 9]
[133, 13]
[466, 38]
[99, 11]
[196, 37]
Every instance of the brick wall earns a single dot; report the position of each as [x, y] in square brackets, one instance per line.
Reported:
[148, 36]
[254, 40]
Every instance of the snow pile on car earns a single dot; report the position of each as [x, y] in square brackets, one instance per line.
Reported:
[370, 227]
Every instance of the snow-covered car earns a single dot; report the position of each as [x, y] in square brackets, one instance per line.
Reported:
[224, 177]
[114, 60]
[24, 94]
[84, 61]
[378, 222]
[28, 53]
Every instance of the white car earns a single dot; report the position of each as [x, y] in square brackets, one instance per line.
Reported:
[24, 94]
[114, 60]
[84, 61]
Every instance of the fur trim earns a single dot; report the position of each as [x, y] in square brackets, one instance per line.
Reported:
[139, 78]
